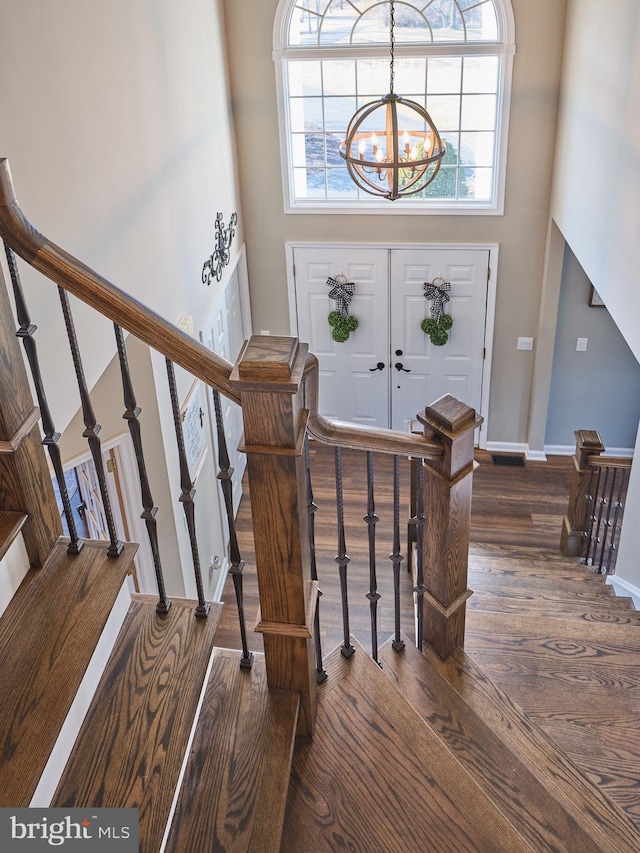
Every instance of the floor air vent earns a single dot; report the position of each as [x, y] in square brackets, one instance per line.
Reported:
[510, 460]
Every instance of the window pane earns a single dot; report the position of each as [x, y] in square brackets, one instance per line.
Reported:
[478, 112]
[338, 24]
[338, 112]
[444, 184]
[309, 183]
[340, 185]
[476, 149]
[452, 143]
[410, 77]
[304, 78]
[339, 77]
[373, 78]
[445, 111]
[480, 74]
[477, 184]
[482, 22]
[444, 75]
[306, 18]
[445, 20]
[306, 114]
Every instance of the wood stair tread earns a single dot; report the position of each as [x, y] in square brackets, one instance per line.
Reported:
[603, 819]
[521, 797]
[47, 636]
[376, 778]
[11, 523]
[235, 785]
[131, 746]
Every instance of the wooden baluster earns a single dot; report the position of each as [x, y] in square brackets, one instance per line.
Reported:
[188, 492]
[92, 428]
[321, 674]
[342, 558]
[24, 472]
[51, 437]
[574, 541]
[225, 475]
[373, 595]
[447, 493]
[395, 556]
[268, 376]
[132, 417]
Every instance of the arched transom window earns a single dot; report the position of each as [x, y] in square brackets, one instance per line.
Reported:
[453, 57]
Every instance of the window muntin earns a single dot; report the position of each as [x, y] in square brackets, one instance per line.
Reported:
[449, 58]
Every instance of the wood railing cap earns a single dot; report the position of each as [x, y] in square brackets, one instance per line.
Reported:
[589, 438]
[450, 416]
[7, 192]
[273, 361]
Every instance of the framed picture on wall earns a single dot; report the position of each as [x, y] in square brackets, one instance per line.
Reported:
[595, 300]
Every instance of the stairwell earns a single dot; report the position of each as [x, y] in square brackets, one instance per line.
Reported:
[524, 741]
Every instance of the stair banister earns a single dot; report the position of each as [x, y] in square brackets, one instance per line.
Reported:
[575, 527]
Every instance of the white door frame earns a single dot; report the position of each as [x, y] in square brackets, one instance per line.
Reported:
[492, 248]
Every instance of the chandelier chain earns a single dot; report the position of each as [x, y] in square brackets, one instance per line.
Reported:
[392, 49]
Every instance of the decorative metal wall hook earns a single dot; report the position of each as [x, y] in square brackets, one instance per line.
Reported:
[220, 257]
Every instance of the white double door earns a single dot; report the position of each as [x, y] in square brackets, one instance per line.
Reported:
[388, 370]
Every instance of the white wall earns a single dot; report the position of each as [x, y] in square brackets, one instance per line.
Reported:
[597, 180]
[521, 232]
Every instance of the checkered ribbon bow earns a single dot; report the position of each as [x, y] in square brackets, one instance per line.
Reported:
[342, 291]
[437, 291]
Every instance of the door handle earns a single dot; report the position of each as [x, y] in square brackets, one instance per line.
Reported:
[379, 366]
[398, 366]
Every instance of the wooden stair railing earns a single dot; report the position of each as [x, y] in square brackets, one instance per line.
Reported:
[276, 382]
[591, 526]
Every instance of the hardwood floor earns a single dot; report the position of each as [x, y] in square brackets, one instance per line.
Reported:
[511, 506]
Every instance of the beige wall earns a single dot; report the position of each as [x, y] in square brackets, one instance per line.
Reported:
[521, 232]
[597, 183]
[116, 121]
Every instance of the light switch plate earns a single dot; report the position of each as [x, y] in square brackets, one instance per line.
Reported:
[525, 343]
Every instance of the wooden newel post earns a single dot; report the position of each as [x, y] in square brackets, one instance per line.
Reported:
[268, 375]
[447, 502]
[24, 473]
[575, 525]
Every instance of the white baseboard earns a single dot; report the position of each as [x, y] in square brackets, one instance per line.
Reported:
[60, 753]
[624, 588]
[13, 569]
[515, 447]
[222, 579]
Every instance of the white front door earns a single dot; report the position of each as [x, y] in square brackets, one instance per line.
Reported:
[388, 370]
[352, 387]
[422, 372]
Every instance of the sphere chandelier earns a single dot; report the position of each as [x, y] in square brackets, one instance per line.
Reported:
[392, 161]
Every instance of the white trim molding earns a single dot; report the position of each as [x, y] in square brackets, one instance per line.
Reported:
[623, 588]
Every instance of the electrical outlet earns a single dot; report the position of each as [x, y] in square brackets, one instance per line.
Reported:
[581, 344]
[525, 343]
[265, 332]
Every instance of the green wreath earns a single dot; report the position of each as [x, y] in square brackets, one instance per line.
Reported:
[342, 325]
[438, 330]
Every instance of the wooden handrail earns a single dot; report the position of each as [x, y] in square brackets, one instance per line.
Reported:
[123, 309]
[79, 279]
[598, 461]
[354, 437]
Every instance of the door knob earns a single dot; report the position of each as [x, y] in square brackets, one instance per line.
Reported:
[398, 366]
[379, 366]
[399, 352]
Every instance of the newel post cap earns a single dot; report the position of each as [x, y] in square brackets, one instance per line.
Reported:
[270, 363]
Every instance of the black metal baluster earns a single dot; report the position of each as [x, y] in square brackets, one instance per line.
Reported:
[26, 333]
[225, 476]
[342, 559]
[186, 498]
[373, 595]
[619, 507]
[594, 486]
[420, 522]
[321, 674]
[132, 415]
[396, 557]
[606, 536]
[602, 500]
[92, 428]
